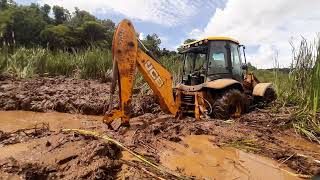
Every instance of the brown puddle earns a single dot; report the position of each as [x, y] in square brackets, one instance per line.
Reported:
[300, 142]
[196, 156]
[13, 120]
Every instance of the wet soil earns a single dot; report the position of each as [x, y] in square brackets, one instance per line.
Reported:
[206, 149]
[200, 149]
[63, 156]
[197, 156]
[62, 94]
[259, 132]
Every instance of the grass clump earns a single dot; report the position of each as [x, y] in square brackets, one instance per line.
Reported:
[248, 145]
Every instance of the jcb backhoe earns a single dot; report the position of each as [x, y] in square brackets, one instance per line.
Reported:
[215, 82]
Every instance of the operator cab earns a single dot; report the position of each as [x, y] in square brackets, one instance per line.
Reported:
[210, 59]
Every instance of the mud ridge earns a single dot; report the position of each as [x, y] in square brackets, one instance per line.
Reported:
[66, 156]
[62, 94]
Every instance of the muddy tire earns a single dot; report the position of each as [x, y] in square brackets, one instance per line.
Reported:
[270, 95]
[231, 103]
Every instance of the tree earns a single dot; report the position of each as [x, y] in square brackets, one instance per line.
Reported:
[93, 31]
[185, 42]
[61, 15]
[188, 41]
[31, 25]
[80, 17]
[109, 26]
[4, 4]
[58, 37]
[22, 26]
[45, 10]
[152, 42]
[168, 53]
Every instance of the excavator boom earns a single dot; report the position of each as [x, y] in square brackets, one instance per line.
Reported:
[127, 56]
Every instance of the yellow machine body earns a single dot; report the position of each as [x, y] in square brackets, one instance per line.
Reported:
[127, 57]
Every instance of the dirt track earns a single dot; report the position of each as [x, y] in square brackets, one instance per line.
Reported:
[260, 132]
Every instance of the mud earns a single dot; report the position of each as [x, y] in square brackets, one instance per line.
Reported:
[62, 156]
[260, 132]
[62, 94]
[197, 156]
[32, 144]
[198, 149]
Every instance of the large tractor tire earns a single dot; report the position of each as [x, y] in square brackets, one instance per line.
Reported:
[231, 103]
[269, 95]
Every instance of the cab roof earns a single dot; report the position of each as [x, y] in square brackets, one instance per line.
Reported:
[212, 38]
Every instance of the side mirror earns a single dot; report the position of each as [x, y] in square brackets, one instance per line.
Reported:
[244, 67]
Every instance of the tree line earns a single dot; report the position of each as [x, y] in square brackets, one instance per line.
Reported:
[56, 28]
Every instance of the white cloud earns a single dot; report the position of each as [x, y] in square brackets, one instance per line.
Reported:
[157, 11]
[266, 24]
[195, 33]
[141, 36]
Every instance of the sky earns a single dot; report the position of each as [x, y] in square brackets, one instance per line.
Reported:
[267, 28]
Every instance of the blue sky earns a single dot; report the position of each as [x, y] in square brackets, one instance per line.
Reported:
[265, 27]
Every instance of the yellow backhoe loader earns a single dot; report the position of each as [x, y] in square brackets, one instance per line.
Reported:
[215, 82]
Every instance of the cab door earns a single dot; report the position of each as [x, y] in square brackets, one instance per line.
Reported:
[237, 72]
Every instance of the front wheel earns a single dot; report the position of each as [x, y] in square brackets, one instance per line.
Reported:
[232, 103]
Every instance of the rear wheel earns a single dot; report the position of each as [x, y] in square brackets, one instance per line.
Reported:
[231, 103]
[269, 95]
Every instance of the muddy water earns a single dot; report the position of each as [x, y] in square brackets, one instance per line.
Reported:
[297, 141]
[13, 120]
[196, 156]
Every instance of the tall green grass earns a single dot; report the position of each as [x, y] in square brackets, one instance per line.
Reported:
[172, 63]
[300, 88]
[22, 62]
[305, 88]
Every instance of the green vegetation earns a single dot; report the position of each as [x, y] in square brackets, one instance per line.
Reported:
[300, 88]
[71, 44]
[31, 26]
[91, 63]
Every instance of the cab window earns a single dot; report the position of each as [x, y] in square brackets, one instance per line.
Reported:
[194, 62]
[218, 60]
[200, 62]
[188, 63]
[235, 59]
